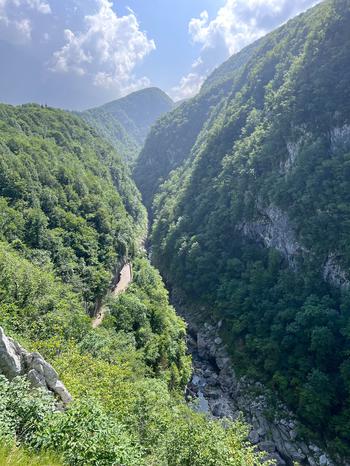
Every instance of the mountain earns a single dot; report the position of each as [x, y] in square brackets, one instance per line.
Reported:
[250, 186]
[173, 137]
[70, 219]
[65, 196]
[126, 122]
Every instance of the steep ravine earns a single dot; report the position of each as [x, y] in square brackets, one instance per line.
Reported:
[218, 392]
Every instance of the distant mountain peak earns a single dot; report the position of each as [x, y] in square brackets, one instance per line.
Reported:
[126, 122]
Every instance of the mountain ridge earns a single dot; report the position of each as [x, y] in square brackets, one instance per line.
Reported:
[125, 122]
[250, 216]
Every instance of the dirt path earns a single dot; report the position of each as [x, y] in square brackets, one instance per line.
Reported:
[125, 278]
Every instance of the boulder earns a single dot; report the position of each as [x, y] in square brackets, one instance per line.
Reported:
[267, 446]
[16, 361]
[10, 357]
[254, 437]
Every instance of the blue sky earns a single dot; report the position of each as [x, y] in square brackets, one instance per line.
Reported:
[76, 54]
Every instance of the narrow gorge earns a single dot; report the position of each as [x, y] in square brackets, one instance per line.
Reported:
[174, 275]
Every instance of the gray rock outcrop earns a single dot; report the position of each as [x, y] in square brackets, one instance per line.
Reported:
[16, 361]
[227, 396]
[334, 274]
[340, 138]
[274, 230]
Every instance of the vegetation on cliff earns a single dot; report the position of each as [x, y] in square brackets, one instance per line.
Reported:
[253, 223]
[66, 199]
[69, 216]
[126, 122]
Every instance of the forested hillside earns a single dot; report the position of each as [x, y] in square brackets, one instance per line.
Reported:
[253, 224]
[69, 217]
[66, 199]
[126, 122]
[174, 136]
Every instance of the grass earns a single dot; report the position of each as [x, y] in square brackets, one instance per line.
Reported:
[13, 456]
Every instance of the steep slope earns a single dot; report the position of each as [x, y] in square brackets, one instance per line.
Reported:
[69, 218]
[126, 122]
[65, 197]
[173, 137]
[254, 226]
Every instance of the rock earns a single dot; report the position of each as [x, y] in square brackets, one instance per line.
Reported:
[211, 377]
[334, 274]
[267, 446]
[202, 345]
[222, 409]
[324, 460]
[340, 138]
[311, 461]
[223, 362]
[273, 228]
[262, 431]
[62, 392]
[10, 357]
[228, 396]
[16, 361]
[254, 437]
[36, 379]
[212, 393]
[277, 458]
[208, 373]
[208, 326]
[293, 151]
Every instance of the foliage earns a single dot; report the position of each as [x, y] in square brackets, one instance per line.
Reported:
[69, 218]
[86, 435]
[66, 198]
[279, 140]
[126, 377]
[10, 455]
[173, 138]
[144, 310]
[193, 441]
[22, 409]
[126, 122]
[35, 304]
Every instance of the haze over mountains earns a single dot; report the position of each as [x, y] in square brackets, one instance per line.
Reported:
[242, 193]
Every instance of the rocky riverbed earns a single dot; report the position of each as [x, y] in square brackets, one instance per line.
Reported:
[221, 394]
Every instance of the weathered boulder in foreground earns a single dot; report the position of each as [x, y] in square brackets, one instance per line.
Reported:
[16, 361]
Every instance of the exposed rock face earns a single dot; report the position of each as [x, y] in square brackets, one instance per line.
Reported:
[226, 395]
[334, 274]
[274, 230]
[340, 138]
[286, 166]
[16, 361]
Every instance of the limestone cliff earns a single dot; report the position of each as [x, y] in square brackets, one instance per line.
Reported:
[16, 361]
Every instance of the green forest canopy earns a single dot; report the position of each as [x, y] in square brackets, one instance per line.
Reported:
[272, 159]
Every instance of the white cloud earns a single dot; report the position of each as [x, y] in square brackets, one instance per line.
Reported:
[107, 50]
[188, 86]
[40, 6]
[24, 27]
[237, 24]
[15, 18]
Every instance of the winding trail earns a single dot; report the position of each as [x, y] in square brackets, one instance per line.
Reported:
[125, 278]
